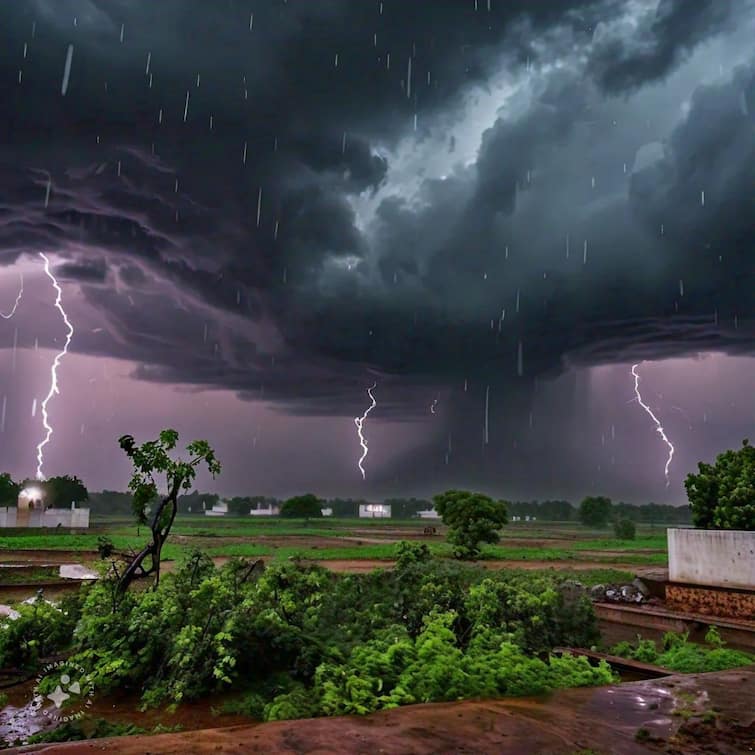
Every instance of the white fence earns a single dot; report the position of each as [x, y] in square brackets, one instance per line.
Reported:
[714, 558]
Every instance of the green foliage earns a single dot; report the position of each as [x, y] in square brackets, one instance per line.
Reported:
[9, 490]
[713, 638]
[105, 546]
[150, 459]
[624, 529]
[153, 458]
[472, 518]
[679, 654]
[40, 631]
[62, 491]
[97, 728]
[595, 511]
[303, 641]
[534, 613]
[410, 552]
[302, 507]
[395, 670]
[722, 495]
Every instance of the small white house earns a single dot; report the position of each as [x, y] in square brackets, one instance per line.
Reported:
[429, 514]
[219, 509]
[327, 511]
[272, 510]
[374, 511]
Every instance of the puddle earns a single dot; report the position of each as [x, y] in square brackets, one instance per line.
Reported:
[21, 718]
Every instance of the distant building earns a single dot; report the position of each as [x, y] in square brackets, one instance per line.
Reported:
[273, 509]
[375, 510]
[219, 509]
[327, 511]
[31, 511]
[429, 514]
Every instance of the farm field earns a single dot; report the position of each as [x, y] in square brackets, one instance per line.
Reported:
[342, 545]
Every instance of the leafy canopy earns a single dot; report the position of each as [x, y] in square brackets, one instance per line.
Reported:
[624, 529]
[302, 641]
[9, 490]
[722, 495]
[595, 511]
[64, 490]
[152, 458]
[472, 518]
[302, 506]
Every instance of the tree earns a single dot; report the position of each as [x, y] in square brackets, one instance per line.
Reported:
[345, 507]
[302, 506]
[192, 503]
[407, 508]
[472, 518]
[150, 459]
[624, 529]
[722, 495]
[62, 491]
[595, 511]
[9, 490]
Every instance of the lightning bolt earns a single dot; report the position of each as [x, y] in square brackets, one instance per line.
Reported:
[18, 301]
[53, 369]
[359, 421]
[658, 426]
[433, 405]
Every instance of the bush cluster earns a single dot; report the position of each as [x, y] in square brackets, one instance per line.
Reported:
[302, 641]
[678, 654]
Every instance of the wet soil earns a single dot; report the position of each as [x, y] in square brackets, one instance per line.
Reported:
[18, 719]
[700, 713]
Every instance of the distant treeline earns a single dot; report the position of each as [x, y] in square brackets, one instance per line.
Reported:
[112, 502]
[565, 511]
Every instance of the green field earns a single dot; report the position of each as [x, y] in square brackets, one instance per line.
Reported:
[346, 540]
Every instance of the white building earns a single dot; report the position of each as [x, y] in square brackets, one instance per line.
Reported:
[219, 509]
[31, 512]
[272, 509]
[327, 511]
[374, 510]
[429, 514]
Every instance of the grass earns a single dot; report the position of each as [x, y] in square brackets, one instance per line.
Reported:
[25, 575]
[565, 542]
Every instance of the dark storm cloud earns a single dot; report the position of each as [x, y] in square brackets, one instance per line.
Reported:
[85, 271]
[664, 35]
[232, 212]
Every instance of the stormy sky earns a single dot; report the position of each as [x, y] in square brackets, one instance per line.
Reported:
[258, 209]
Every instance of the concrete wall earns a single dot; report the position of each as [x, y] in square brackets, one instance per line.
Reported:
[713, 558]
[50, 518]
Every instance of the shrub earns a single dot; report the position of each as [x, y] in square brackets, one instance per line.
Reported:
[409, 552]
[301, 641]
[678, 654]
[41, 630]
[624, 529]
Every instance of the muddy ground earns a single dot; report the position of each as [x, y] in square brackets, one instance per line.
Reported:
[683, 715]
